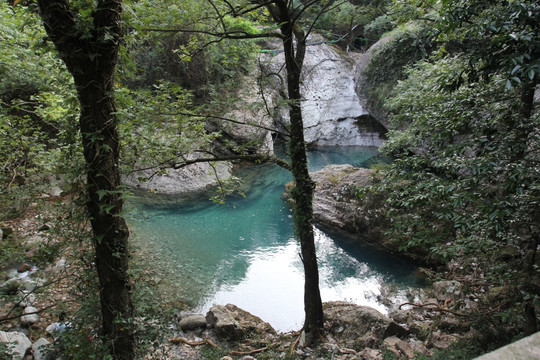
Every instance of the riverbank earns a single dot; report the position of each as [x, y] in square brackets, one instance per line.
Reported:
[57, 292]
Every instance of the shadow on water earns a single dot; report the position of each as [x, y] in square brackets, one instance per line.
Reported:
[244, 252]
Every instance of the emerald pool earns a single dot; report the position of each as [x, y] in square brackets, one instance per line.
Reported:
[244, 252]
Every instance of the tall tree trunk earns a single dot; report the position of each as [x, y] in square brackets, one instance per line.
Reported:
[304, 186]
[90, 55]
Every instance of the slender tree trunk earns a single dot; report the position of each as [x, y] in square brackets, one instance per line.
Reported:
[90, 55]
[304, 186]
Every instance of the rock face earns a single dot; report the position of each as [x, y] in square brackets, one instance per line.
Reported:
[337, 207]
[191, 178]
[331, 109]
[232, 323]
[362, 60]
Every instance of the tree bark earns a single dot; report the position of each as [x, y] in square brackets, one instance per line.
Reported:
[304, 186]
[91, 56]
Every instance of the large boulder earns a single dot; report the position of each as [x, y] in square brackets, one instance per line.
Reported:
[41, 349]
[357, 326]
[337, 207]
[191, 178]
[17, 344]
[232, 323]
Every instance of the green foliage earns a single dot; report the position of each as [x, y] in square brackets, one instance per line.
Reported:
[463, 350]
[406, 45]
[465, 183]
[189, 55]
[498, 37]
[156, 128]
[354, 23]
[211, 353]
[38, 106]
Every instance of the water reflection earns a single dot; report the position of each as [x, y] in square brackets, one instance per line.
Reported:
[245, 252]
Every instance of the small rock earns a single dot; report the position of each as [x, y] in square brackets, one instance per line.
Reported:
[226, 358]
[224, 324]
[18, 343]
[51, 329]
[400, 316]
[34, 240]
[44, 227]
[447, 290]
[443, 341]
[24, 267]
[31, 317]
[193, 322]
[26, 298]
[41, 349]
[399, 347]
[11, 286]
[370, 354]
[232, 323]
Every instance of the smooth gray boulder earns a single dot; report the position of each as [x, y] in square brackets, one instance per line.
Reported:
[193, 322]
[30, 316]
[17, 342]
[41, 349]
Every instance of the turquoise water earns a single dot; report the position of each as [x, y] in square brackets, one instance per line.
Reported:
[244, 252]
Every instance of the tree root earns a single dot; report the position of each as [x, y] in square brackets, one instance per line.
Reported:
[181, 340]
[436, 307]
[243, 353]
[295, 344]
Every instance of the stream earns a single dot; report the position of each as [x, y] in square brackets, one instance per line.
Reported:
[245, 252]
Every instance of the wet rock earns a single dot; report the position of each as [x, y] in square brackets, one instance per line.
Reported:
[31, 317]
[447, 290]
[17, 342]
[193, 322]
[41, 349]
[232, 323]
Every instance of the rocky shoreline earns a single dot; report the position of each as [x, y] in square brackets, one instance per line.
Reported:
[350, 331]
